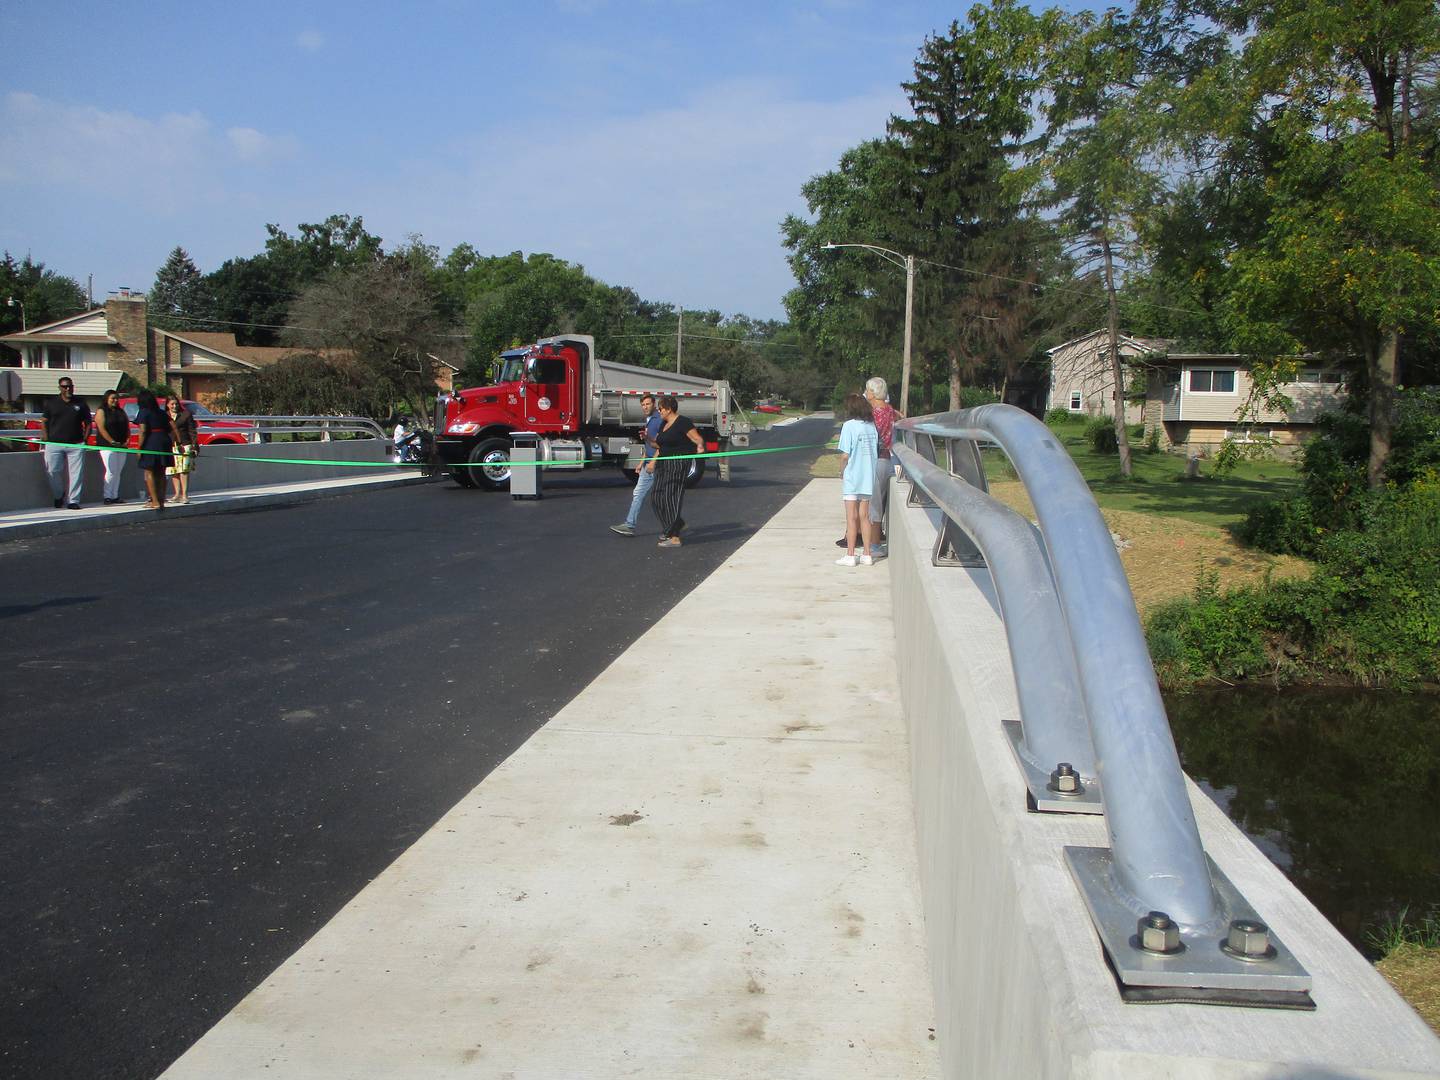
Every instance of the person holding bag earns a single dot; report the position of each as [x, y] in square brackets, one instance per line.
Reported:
[187, 448]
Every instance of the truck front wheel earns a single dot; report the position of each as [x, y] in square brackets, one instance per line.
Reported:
[490, 464]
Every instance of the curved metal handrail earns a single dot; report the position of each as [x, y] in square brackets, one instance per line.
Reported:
[1158, 857]
[1052, 710]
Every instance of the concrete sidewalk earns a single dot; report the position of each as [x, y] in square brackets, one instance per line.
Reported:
[28, 524]
[703, 866]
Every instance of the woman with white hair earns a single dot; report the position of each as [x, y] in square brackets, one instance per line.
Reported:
[885, 417]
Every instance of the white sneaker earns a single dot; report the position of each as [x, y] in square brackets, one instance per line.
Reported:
[867, 560]
[847, 560]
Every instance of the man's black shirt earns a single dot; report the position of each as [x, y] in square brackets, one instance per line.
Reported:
[66, 421]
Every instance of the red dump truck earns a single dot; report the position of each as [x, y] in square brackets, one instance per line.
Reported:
[583, 411]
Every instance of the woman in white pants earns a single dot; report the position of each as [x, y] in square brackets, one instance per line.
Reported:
[112, 432]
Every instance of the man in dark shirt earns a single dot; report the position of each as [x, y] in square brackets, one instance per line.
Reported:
[66, 421]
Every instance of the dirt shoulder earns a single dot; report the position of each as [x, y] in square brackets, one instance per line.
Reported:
[1163, 556]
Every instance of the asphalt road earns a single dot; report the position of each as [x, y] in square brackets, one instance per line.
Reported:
[218, 729]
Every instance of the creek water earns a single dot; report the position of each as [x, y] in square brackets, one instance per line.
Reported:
[1338, 788]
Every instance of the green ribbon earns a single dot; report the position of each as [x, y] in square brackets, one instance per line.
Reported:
[411, 464]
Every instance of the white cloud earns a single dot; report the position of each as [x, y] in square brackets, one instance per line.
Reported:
[255, 147]
[157, 162]
[310, 40]
[681, 204]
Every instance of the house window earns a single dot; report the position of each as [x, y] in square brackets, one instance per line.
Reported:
[1212, 380]
[49, 356]
[1323, 378]
[1075, 401]
[1249, 433]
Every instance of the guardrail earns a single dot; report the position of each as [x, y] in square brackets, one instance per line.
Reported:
[1171, 922]
[260, 428]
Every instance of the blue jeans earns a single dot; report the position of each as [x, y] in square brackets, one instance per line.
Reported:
[642, 492]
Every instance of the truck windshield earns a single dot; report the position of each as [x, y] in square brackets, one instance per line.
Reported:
[510, 369]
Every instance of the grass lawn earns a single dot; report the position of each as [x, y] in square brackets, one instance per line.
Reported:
[1158, 484]
[1170, 531]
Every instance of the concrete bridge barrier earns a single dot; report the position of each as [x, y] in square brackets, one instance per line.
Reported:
[1022, 987]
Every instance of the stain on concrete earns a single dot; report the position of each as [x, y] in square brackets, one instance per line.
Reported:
[752, 1027]
[538, 959]
[626, 819]
[753, 986]
[851, 921]
[804, 725]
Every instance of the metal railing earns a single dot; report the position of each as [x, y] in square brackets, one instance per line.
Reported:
[1089, 698]
[255, 428]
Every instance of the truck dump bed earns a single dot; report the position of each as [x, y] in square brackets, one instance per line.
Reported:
[616, 390]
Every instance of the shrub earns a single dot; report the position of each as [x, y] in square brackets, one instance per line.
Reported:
[1283, 526]
[1058, 416]
[1370, 613]
[1100, 434]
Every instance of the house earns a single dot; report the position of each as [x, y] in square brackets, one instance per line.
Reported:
[1081, 380]
[202, 363]
[96, 347]
[1193, 399]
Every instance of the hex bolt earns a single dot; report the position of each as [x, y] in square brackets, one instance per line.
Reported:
[1249, 939]
[1066, 781]
[1157, 933]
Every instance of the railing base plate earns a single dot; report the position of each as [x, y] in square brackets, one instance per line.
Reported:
[1039, 797]
[1279, 982]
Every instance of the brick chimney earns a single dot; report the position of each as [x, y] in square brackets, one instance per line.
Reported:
[125, 316]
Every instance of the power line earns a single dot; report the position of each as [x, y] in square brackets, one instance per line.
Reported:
[466, 337]
[1089, 293]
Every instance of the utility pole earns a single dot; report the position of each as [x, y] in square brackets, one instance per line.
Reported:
[909, 308]
[679, 338]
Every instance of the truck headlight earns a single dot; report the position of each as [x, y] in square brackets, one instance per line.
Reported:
[463, 427]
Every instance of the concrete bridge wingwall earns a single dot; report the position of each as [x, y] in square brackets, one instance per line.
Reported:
[1020, 980]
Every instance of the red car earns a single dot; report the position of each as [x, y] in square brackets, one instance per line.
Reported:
[213, 428]
[767, 407]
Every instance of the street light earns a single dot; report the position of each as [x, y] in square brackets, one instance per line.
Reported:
[12, 302]
[908, 262]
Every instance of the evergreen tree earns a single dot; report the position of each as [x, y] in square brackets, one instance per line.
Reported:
[179, 299]
[972, 99]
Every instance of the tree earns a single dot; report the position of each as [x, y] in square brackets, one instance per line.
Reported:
[973, 100]
[45, 295]
[1104, 150]
[1350, 250]
[252, 295]
[179, 300]
[849, 308]
[381, 316]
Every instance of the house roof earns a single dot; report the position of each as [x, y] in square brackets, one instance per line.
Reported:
[1142, 344]
[251, 357]
[64, 331]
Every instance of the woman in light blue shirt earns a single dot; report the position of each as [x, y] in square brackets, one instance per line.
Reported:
[859, 449]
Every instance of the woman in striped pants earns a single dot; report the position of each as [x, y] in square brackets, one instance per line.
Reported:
[677, 437]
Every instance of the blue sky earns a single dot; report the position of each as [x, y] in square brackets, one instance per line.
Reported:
[659, 144]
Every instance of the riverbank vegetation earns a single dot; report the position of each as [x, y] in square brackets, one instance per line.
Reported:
[1369, 614]
[1411, 961]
